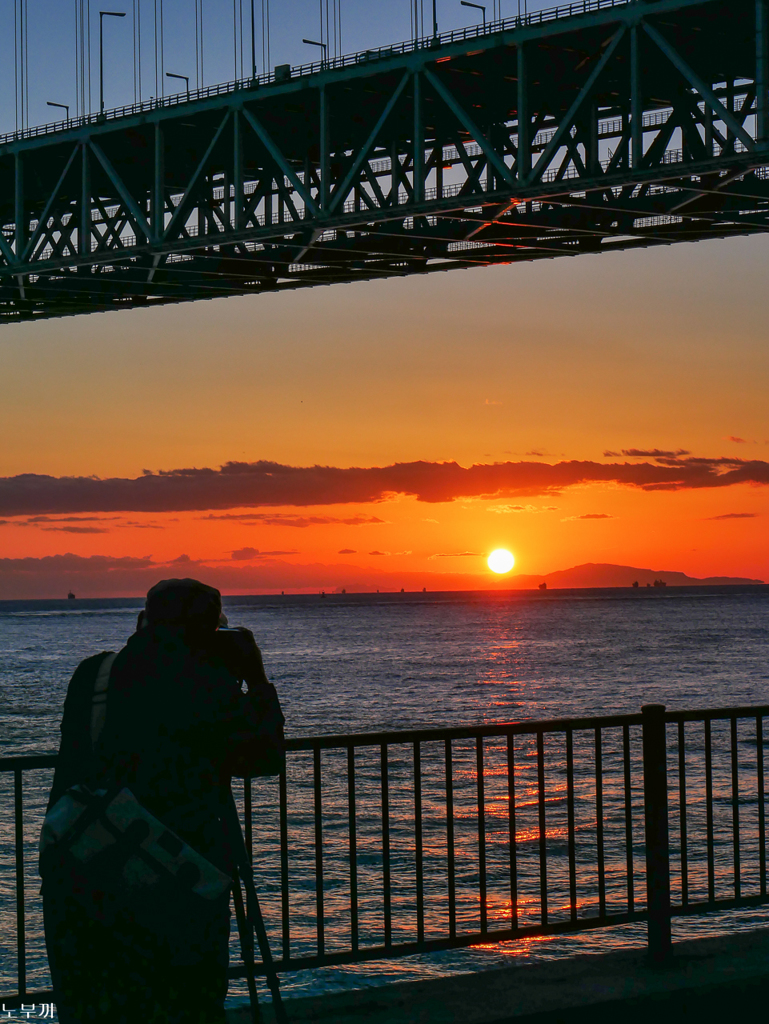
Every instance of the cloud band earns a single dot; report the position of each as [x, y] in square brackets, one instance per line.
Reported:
[259, 484]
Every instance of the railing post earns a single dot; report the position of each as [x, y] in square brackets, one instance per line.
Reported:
[656, 829]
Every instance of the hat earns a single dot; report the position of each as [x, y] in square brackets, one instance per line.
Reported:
[183, 602]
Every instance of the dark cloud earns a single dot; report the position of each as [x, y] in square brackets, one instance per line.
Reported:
[35, 520]
[457, 554]
[379, 552]
[246, 554]
[70, 563]
[267, 483]
[648, 453]
[347, 551]
[733, 515]
[302, 522]
[593, 515]
[736, 440]
[75, 529]
[70, 524]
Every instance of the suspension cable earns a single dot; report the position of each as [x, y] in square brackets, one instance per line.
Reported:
[139, 45]
[162, 54]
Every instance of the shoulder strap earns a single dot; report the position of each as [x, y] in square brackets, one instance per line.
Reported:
[99, 700]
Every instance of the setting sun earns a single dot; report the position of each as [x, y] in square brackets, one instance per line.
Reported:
[501, 561]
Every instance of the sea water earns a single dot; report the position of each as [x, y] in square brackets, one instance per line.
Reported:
[381, 662]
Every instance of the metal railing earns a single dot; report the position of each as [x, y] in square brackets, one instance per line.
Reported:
[316, 67]
[380, 845]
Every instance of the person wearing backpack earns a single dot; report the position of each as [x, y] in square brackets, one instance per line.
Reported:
[136, 859]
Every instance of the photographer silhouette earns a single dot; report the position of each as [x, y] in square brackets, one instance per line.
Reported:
[138, 851]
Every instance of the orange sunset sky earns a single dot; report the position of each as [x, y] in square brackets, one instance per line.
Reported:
[551, 380]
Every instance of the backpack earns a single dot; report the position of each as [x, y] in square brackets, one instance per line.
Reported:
[122, 865]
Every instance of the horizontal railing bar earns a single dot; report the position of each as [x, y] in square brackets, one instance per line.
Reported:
[13, 1001]
[436, 945]
[364, 739]
[27, 761]
[709, 714]
[532, 727]
[732, 903]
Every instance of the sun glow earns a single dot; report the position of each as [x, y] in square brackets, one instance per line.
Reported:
[501, 561]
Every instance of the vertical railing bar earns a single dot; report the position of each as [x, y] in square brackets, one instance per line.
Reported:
[249, 819]
[320, 922]
[450, 841]
[542, 825]
[511, 827]
[284, 899]
[682, 814]
[709, 811]
[628, 820]
[21, 937]
[385, 782]
[761, 804]
[657, 832]
[735, 808]
[599, 823]
[418, 851]
[353, 846]
[481, 831]
[570, 819]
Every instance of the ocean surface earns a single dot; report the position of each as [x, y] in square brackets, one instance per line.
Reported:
[361, 663]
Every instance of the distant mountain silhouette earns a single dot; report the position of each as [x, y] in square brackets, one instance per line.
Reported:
[602, 574]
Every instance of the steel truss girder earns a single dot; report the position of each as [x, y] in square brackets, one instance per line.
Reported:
[432, 160]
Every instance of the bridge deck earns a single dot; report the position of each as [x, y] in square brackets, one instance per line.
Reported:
[610, 126]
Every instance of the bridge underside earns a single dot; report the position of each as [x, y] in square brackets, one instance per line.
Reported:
[621, 126]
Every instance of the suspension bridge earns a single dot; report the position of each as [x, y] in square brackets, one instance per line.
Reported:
[592, 127]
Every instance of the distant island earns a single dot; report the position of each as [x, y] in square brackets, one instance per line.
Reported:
[603, 574]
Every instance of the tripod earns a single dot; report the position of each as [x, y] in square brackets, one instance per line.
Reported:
[250, 921]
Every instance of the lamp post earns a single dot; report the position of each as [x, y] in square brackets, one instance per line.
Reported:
[184, 78]
[64, 106]
[435, 19]
[102, 16]
[478, 7]
[324, 47]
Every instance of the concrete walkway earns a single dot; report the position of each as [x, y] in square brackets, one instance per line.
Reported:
[709, 980]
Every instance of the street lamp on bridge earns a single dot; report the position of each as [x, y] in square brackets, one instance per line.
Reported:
[478, 7]
[102, 16]
[324, 47]
[64, 106]
[184, 78]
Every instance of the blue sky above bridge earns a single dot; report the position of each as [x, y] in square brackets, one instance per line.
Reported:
[51, 42]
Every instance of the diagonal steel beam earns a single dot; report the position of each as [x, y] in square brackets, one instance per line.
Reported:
[136, 212]
[341, 190]
[702, 87]
[43, 219]
[464, 118]
[7, 251]
[280, 160]
[566, 123]
[181, 209]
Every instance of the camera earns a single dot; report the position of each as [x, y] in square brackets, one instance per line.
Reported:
[237, 648]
